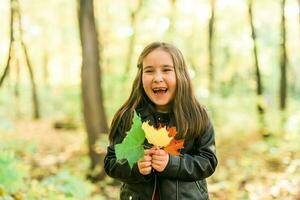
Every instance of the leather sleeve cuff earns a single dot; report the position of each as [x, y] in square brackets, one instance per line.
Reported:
[135, 172]
[171, 171]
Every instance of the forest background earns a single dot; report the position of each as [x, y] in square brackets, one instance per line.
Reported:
[67, 66]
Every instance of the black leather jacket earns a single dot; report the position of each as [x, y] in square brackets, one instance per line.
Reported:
[183, 178]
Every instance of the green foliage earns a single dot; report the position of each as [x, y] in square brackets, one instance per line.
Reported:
[36, 190]
[132, 146]
[19, 147]
[65, 102]
[70, 186]
[6, 197]
[11, 173]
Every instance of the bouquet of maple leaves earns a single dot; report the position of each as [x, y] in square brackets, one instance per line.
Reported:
[132, 147]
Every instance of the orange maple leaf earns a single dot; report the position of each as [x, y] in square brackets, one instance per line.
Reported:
[157, 137]
[172, 131]
[173, 147]
[163, 137]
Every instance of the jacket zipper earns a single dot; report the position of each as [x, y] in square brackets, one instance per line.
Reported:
[154, 187]
[177, 198]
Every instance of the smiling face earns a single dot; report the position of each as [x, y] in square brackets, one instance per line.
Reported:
[159, 78]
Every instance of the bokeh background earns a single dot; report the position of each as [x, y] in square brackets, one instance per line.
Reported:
[67, 66]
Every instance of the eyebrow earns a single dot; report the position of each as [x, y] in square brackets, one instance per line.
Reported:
[168, 66]
[148, 67]
[164, 66]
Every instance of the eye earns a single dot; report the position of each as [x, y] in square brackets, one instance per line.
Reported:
[167, 69]
[148, 71]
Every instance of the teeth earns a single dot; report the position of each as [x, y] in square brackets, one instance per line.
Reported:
[159, 89]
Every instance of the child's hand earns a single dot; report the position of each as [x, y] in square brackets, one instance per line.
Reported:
[160, 159]
[144, 164]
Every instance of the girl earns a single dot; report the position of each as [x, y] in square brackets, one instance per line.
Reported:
[162, 94]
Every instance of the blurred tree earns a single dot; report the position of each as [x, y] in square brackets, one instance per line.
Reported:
[93, 108]
[11, 41]
[45, 68]
[17, 89]
[283, 61]
[133, 18]
[299, 9]
[299, 12]
[16, 37]
[259, 86]
[210, 45]
[172, 16]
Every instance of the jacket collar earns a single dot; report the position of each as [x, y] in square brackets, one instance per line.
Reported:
[147, 112]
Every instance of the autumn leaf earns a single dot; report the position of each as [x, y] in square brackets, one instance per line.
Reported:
[131, 147]
[164, 138]
[173, 147]
[172, 131]
[157, 137]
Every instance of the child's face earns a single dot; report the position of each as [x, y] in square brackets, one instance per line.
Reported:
[159, 79]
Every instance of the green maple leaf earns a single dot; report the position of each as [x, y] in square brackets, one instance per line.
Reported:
[132, 147]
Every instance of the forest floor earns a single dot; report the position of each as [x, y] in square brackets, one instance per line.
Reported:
[250, 166]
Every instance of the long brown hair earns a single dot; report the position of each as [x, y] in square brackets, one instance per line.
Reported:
[190, 116]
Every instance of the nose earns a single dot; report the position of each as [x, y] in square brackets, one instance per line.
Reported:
[157, 78]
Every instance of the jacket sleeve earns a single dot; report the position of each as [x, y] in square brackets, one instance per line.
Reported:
[120, 169]
[195, 166]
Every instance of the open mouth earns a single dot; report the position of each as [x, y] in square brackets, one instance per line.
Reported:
[160, 90]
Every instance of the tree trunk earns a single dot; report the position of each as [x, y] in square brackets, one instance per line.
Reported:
[133, 17]
[259, 87]
[12, 11]
[299, 11]
[16, 16]
[172, 16]
[210, 47]
[93, 108]
[35, 102]
[45, 69]
[283, 61]
[17, 89]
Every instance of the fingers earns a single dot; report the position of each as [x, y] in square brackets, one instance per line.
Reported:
[144, 167]
[160, 160]
[159, 165]
[146, 171]
[149, 152]
[148, 155]
[144, 164]
[160, 155]
[160, 152]
[154, 158]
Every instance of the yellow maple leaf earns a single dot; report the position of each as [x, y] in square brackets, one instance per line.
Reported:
[157, 137]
